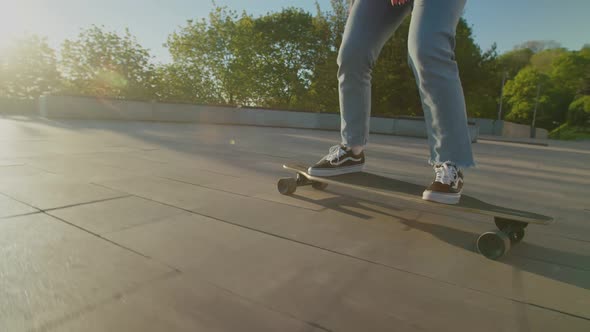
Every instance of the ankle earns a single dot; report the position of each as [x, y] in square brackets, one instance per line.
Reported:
[357, 149]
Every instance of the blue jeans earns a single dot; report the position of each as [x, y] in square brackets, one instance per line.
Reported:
[431, 44]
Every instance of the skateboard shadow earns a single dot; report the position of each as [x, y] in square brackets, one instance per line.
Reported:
[346, 206]
[562, 266]
[399, 188]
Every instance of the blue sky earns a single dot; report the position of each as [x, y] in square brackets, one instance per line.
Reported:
[506, 22]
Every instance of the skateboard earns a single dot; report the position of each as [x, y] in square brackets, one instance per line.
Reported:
[511, 223]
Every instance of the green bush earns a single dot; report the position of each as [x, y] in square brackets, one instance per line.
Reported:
[570, 133]
[579, 112]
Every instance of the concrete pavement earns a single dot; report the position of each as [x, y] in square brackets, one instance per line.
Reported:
[146, 226]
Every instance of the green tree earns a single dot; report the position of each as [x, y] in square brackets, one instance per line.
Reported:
[537, 46]
[585, 86]
[29, 69]
[218, 53]
[269, 61]
[479, 73]
[512, 62]
[394, 87]
[287, 59]
[521, 95]
[571, 71]
[323, 91]
[289, 44]
[394, 90]
[178, 83]
[543, 60]
[579, 112]
[570, 78]
[102, 63]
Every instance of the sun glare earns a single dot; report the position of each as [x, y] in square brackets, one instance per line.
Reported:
[19, 18]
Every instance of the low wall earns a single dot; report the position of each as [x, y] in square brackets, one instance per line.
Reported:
[11, 106]
[488, 126]
[522, 131]
[69, 107]
[507, 129]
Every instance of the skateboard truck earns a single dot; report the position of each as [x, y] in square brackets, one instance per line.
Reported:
[288, 186]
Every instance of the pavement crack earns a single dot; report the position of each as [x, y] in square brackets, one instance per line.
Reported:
[111, 241]
[21, 215]
[85, 203]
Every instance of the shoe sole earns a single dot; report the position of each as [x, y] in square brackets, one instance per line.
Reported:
[335, 171]
[444, 198]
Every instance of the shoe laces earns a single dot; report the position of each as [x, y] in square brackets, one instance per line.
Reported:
[335, 153]
[445, 173]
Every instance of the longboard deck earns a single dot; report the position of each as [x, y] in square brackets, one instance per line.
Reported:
[409, 191]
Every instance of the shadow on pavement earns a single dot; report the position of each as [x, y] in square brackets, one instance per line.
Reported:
[563, 266]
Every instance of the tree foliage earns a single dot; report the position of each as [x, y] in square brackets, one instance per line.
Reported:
[29, 69]
[287, 59]
[537, 46]
[102, 63]
[521, 94]
[571, 70]
[579, 112]
[513, 61]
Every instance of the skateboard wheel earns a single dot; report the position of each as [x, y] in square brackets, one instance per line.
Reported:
[319, 185]
[493, 245]
[287, 186]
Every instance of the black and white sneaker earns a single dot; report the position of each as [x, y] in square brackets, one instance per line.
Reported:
[340, 160]
[447, 185]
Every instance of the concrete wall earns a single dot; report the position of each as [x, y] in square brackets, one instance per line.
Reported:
[541, 133]
[488, 126]
[514, 130]
[18, 106]
[94, 108]
[507, 129]
[69, 107]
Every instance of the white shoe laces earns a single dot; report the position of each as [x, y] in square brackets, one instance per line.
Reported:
[335, 153]
[445, 173]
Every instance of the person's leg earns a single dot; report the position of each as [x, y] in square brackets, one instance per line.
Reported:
[431, 44]
[370, 24]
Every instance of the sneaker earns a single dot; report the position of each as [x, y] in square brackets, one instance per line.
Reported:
[340, 160]
[447, 185]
